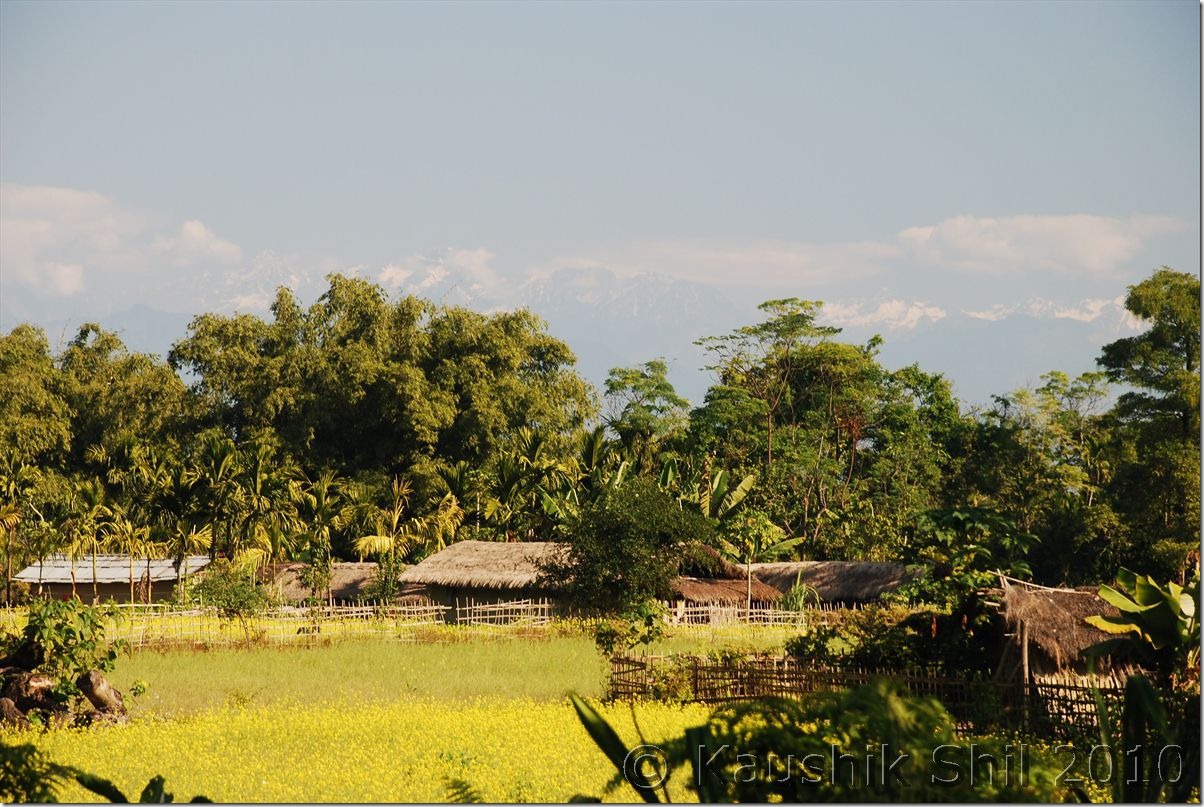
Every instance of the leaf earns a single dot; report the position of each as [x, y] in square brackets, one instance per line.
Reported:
[101, 787]
[709, 783]
[1116, 598]
[154, 793]
[1112, 624]
[608, 741]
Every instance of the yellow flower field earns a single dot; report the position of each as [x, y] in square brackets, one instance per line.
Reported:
[407, 750]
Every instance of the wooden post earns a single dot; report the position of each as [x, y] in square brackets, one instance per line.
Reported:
[1024, 671]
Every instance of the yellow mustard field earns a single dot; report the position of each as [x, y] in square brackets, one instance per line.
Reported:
[408, 750]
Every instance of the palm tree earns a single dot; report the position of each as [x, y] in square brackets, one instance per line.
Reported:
[320, 507]
[17, 481]
[266, 516]
[393, 535]
[87, 513]
[128, 539]
[217, 466]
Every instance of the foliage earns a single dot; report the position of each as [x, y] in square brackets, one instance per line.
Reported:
[883, 639]
[232, 590]
[153, 793]
[641, 624]
[27, 775]
[278, 438]
[625, 548]
[1158, 624]
[958, 553]
[799, 596]
[1150, 726]
[71, 636]
[785, 750]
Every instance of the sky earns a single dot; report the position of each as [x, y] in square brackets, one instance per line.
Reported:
[976, 182]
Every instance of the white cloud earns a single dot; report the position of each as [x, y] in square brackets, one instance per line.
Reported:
[53, 240]
[895, 315]
[197, 243]
[1074, 243]
[65, 279]
[750, 264]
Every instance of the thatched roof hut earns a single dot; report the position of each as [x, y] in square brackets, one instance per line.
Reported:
[836, 580]
[723, 591]
[348, 581]
[486, 565]
[483, 570]
[1052, 622]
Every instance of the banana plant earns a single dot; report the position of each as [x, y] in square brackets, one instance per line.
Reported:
[1159, 624]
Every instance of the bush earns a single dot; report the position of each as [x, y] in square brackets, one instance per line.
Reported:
[71, 638]
[625, 549]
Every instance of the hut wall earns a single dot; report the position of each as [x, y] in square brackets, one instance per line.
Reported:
[118, 592]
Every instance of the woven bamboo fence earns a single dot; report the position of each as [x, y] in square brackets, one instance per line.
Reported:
[1059, 709]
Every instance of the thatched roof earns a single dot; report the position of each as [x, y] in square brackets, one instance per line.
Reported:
[347, 580]
[836, 580]
[723, 591]
[1055, 619]
[109, 569]
[513, 566]
[486, 564]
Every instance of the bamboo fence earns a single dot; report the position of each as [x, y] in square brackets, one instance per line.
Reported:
[1059, 707]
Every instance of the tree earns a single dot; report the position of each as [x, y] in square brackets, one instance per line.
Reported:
[644, 407]
[1162, 363]
[761, 359]
[1156, 484]
[35, 419]
[320, 506]
[626, 548]
[750, 537]
[390, 540]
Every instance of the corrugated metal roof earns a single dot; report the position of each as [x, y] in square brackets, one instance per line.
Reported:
[109, 569]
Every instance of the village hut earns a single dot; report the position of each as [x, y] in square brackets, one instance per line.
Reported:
[486, 572]
[1049, 632]
[836, 581]
[153, 580]
[348, 581]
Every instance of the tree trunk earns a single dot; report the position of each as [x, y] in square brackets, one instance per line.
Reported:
[131, 578]
[11, 716]
[100, 693]
[8, 567]
[95, 591]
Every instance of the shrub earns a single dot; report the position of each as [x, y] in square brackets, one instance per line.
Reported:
[625, 549]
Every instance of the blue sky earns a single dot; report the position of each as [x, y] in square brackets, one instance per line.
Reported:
[951, 175]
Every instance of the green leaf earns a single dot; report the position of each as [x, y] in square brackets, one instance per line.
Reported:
[1112, 624]
[154, 793]
[101, 787]
[1116, 598]
[608, 741]
[709, 783]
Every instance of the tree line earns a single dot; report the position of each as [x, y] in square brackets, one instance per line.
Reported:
[363, 426]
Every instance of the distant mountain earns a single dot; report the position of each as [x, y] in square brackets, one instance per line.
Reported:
[612, 321]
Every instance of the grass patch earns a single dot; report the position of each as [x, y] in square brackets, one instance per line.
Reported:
[188, 681]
